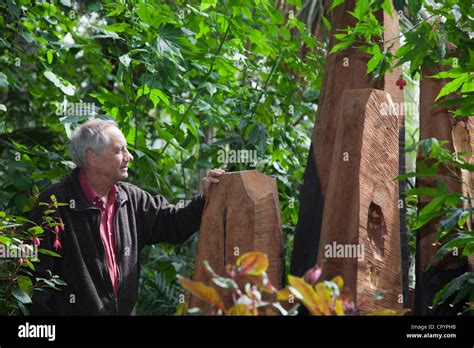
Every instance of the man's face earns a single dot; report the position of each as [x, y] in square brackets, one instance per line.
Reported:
[113, 161]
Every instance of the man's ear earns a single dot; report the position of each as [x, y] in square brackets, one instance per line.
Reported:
[91, 158]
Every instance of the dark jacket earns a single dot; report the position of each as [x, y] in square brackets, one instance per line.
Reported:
[141, 219]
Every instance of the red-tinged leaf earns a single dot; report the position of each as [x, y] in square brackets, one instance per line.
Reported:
[305, 293]
[203, 292]
[263, 282]
[222, 282]
[239, 309]
[252, 263]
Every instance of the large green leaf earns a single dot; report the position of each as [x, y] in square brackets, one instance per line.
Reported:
[156, 95]
[375, 60]
[65, 86]
[3, 80]
[467, 279]
[205, 4]
[341, 46]
[167, 43]
[452, 86]
[361, 9]
[451, 221]
[48, 252]
[149, 14]
[460, 241]
[432, 208]
[36, 230]
[414, 6]
[21, 295]
[25, 284]
[5, 240]
[117, 27]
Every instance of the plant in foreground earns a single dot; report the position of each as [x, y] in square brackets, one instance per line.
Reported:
[249, 291]
[20, 244]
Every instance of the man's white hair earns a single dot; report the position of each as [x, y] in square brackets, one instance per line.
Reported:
[89, 135]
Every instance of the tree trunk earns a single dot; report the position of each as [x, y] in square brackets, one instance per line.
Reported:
[437, 122]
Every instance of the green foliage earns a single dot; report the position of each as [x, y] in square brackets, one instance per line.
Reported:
[19, 248]
[27, 164]
[453, 209]
[462, 85]
[462, 286]
[434, 35]
[159, 289]
[184, 80]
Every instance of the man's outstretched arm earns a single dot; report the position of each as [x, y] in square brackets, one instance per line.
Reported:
[174, 224]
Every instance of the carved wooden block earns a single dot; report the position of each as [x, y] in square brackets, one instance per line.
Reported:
[360, 237]
[342, 71]
[241, 215]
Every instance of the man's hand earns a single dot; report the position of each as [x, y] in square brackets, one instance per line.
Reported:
[209, 180]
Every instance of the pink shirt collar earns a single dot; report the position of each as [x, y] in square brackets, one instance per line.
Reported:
[89, 191]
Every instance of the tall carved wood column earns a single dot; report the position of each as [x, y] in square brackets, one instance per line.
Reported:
[360, 237]
[342, 71]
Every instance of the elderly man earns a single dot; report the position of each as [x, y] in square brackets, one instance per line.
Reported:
[106, 225]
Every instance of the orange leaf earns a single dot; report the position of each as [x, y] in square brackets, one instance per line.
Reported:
[203, 292]
[253, 263]
[323, 298]
[239, 309]
[283, 294]
[305, 293]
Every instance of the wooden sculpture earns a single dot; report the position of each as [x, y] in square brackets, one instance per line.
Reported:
[241, 215]
[360, 237]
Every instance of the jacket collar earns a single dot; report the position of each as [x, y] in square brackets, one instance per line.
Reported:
[80, 200]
